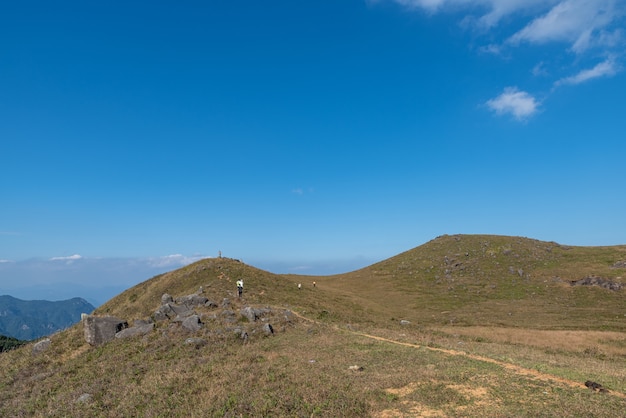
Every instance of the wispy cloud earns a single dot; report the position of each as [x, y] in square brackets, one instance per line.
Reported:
[68, 258]
[606, 68]
[300, 191]
[173, 260]
[581, 23]
[573, 21]
[540, 70]
[585, 28]
[520, 104]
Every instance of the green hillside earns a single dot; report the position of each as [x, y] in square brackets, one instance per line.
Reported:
[467, 325]
[32, 319]
[9, 343]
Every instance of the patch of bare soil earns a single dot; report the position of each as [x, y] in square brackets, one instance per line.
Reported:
[478, 397]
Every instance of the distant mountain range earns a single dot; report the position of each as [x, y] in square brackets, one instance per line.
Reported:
[32, 319]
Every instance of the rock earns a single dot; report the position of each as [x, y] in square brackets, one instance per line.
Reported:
[192, 300]
[192, 323]
[166, 298]
[226, 303]
[100, 330]
[136, 330]
[288, 315]
[249, 313]
[161, 313]
[597, 281]
[181, 310]
[172, 311]
[42, 346]
[196, 342]
[164, 312]
[356, 368]
[267, 329]
[84, 398]
[405, 322]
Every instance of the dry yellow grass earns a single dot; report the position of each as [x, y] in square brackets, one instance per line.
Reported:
[607, 342]
[494, 330]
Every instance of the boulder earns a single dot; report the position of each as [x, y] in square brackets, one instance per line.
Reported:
[181, 310]
[172, 310]
[192, 323]
[249, 313]
[254, 314]
[196, 342]
[99, 330]
[141, 329]
[42, 346]
[268, 329]
[192, 300]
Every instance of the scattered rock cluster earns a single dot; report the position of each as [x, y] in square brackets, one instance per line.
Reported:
[597, 281]
[620, 265]
[193, 313]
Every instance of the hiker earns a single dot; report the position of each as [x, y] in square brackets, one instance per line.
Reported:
[314, 284]
[239, 287]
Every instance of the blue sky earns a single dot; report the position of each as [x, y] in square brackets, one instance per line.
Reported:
[302, 136]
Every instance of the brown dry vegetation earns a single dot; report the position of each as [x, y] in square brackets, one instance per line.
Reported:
[495, 329]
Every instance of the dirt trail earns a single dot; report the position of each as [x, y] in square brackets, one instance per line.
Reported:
[535, 374]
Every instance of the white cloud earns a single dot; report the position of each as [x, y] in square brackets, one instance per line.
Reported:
[512, 101]
[5, 261]
[578, 22]
[69, 258]
[430, 5]
[587, 28]
[581, 23]
[301, 191]
[606, 68]
[172, 260]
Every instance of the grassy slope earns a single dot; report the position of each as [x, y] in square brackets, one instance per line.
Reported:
[456, 291]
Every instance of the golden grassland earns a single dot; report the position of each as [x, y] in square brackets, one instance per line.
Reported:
[492, 327]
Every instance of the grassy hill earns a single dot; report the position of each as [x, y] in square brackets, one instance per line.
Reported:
[467, 325]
